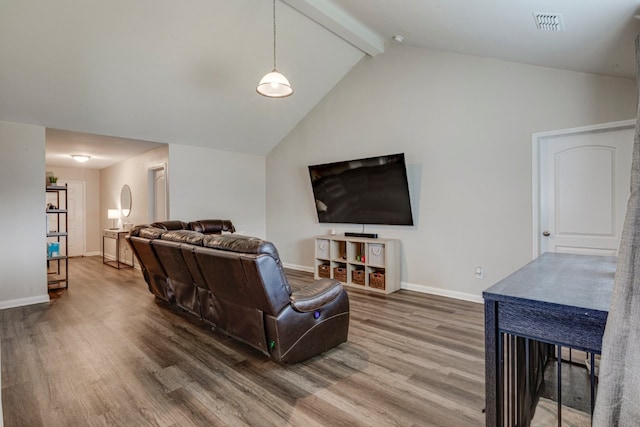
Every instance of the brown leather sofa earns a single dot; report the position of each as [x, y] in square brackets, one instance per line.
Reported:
[237, 284]
[206, 226]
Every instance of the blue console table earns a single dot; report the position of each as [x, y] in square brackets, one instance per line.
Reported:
[557, 299]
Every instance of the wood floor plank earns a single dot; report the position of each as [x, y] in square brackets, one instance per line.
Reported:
[104, 352]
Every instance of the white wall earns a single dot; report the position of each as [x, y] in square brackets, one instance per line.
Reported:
[91, 178]
[206, 183]
[132, 172]
[465, 125]
[23, 256]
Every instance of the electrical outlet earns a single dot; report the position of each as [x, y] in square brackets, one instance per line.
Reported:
[479, 273]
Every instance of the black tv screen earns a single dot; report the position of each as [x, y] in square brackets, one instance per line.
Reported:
[374, 190]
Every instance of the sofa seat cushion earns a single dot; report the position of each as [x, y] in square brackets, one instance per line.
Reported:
[184, 236]
[313, 297]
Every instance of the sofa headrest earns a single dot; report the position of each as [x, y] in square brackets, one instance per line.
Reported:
[151, 232]
[184, 236]
[241, 244]
[212, 226]
[135, 231]
[170, 225]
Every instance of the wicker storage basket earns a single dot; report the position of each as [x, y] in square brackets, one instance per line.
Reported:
[340, 274]
[357, 277]
[324, 270]
[376, 280]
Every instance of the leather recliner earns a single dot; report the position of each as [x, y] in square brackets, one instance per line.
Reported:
[205, 226]
[170, 225]
[140, 238]
[238, 285]
[212, 226]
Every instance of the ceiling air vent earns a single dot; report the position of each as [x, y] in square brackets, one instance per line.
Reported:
[548, 21]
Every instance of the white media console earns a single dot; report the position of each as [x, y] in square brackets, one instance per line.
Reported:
[359, 262]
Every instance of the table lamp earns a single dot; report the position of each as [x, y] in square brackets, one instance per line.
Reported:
[113, 214]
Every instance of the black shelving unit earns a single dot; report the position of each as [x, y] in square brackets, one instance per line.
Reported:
[57, 226]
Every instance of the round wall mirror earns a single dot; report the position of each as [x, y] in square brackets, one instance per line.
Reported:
[125, 200]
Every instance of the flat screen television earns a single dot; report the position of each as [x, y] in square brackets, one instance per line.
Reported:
[374, 190]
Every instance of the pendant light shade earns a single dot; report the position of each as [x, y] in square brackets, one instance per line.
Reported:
[274, 84]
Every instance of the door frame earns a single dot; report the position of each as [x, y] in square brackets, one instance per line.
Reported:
[151, 190]
[536, 162]
[83, 220]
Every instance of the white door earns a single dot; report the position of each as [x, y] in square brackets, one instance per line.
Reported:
[584, 189]
[160, 187]
[76, 217]
[158, 210]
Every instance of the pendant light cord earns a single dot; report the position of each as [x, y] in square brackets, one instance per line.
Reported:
[274, 84]
[274, 35]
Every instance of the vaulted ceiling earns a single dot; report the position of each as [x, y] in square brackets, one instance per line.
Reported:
[186, 71]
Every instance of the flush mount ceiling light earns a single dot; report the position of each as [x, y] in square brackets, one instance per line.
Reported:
[80, 157]
[274, 84]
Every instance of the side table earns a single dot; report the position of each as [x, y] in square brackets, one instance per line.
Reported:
[119, 237]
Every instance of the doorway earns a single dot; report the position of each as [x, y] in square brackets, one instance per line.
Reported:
[581, 181]
[158, 208]
[75, 217]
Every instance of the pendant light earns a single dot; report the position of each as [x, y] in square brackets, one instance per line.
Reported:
[274, 84]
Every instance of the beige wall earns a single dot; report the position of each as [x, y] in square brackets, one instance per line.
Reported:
[465, 124]
[91, 179]
[23, 256]
[132, 172]
[203, 183]
[206, 183]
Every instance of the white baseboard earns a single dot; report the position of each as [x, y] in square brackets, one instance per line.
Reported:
[24, 301]
[298, 267]
[412, 287]
[442, 292]
[1, 416]
[93, 254]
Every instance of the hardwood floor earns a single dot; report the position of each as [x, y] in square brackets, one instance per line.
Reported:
[105, 353]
